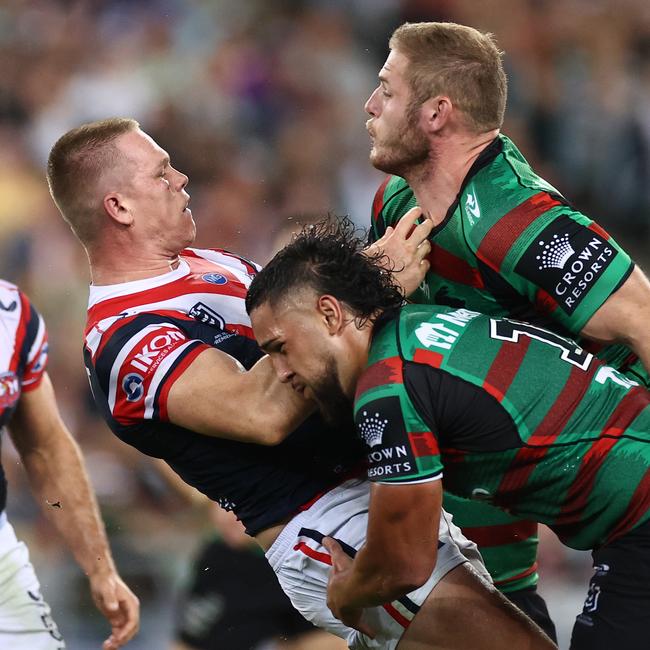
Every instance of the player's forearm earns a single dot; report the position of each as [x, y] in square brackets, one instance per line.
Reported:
[62, 488]
[379, 577]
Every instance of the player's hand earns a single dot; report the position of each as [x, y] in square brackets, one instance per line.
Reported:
[119, 605]
[406, 248]
[341, 566]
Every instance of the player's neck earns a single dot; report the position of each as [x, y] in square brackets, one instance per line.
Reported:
[437, 182]
[116, 269]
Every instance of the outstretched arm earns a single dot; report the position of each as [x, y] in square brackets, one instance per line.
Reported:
[217, 397]
[60, 484]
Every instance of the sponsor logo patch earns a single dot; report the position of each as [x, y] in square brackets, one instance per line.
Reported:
[132, 385]
[214, 278]
[566, 260]
[9, 389]
[205, 314]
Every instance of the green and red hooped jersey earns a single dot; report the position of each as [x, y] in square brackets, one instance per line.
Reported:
[483, 258]
[510, 414]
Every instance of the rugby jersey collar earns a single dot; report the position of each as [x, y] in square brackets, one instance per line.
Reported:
[484, 158]
[98, 293]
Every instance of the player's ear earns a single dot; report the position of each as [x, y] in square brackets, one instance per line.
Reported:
[435, 112]
[331, 312]
[116, 209]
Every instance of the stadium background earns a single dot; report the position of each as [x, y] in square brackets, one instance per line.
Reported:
[260, 102]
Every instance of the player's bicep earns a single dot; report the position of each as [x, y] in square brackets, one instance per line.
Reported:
[403, 525]
[625, 314]
[209, 395]
[216, 396]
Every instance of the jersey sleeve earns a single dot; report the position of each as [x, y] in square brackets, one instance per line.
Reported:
[36, 346]
[564, 263]
[138, 365]
[402, 448]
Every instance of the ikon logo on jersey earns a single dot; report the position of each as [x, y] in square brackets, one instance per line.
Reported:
[9, 389]
[566, 260]
[155, 349]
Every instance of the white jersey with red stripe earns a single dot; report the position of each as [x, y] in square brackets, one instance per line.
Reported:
[23, 354]
[142, 335]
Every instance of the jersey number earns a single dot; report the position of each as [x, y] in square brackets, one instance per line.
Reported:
[571, 352]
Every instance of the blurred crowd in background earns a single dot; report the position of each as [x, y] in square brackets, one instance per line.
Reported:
[260, 102]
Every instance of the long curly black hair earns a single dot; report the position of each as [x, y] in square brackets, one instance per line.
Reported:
[328, 257]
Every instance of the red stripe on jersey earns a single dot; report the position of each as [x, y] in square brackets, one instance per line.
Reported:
[504, 233]
[519, 576]
[638, 506]
[190, 283]
[505, 366]
[386, 371]
[313, 554]
[599, 231]
[499, 535]
[578, 495]
[174, 375]
[527, 458]
[428, 358]
[21, 332]
[423, 443]
[393, 613]
[449, 266]
[378, 201]
[544, 302]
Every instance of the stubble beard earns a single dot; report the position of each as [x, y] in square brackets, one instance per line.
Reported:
[334, 405]
[404, 151]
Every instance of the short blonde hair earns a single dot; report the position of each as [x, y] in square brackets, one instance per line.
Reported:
[74, 167]
[459, 62]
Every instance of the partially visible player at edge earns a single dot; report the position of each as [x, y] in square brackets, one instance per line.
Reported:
[492, 408]
[505, 241]
[58, 478]
[176, 373]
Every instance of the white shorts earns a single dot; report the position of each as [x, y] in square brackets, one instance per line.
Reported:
[302, 564]
[25, 619]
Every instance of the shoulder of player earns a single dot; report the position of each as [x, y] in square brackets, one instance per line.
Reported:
[393, 199]
[503, 191]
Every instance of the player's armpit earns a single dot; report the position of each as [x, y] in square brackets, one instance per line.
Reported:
[624, 317]
[215, 396]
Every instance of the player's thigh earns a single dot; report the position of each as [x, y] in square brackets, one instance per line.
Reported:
[25, 618]
[464, 611]
[616, 612]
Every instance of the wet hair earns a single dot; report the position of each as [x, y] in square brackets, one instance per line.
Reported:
[328, 257]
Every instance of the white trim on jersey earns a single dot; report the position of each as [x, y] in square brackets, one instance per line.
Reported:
[10, 322]
[101, 292]
[429, 479]
[159, 375]
[231, 261]
[38, 341]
